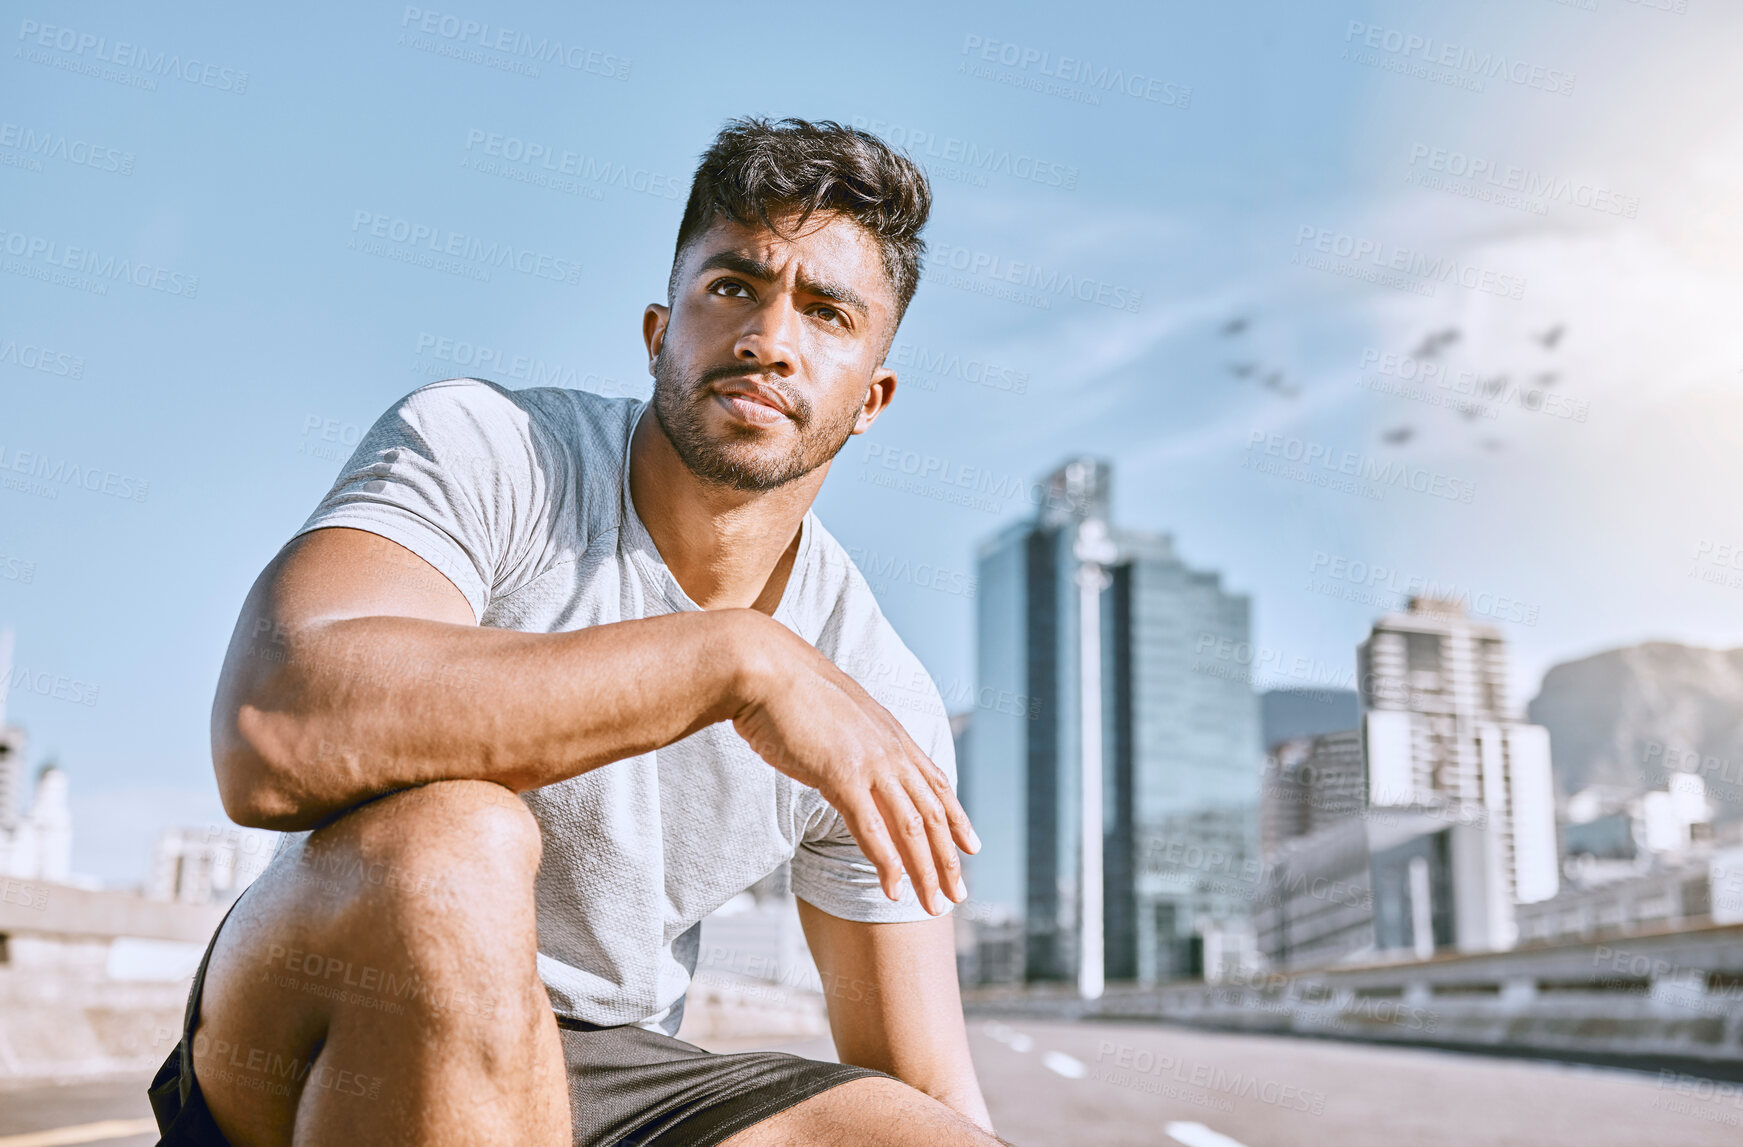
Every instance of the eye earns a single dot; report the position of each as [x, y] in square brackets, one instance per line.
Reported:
[718, 285]
[830, 314]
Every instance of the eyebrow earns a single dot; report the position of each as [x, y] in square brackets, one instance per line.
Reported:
[757, 269]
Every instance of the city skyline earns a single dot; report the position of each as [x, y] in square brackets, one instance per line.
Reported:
[1235, 661]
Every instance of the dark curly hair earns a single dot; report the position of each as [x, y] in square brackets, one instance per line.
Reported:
[756, 167]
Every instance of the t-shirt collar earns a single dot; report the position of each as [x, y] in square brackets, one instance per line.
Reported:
[646, 555]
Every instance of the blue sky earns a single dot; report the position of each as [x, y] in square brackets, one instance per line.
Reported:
[1349, 178]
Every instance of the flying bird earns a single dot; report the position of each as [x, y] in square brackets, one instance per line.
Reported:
[1235, 326]
[1552, 336]
[1274, 381]
[1436, 342]
[1398, 435]
[1242, 369]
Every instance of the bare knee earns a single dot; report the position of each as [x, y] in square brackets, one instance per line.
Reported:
[444, 847]
[399, 940]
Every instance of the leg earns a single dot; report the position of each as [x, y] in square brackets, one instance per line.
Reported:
[866, 1113]
[379, 984]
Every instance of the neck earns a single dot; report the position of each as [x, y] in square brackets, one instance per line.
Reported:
[728, 548]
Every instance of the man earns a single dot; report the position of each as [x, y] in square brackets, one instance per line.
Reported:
[548, 677]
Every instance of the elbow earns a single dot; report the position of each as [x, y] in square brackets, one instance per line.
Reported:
[256, 777]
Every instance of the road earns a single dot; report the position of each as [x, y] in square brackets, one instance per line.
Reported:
[79, 1105]
[1065, 1085]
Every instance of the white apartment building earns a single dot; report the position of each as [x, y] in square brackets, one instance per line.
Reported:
[1440, 737]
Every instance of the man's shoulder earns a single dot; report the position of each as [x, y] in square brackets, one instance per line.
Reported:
[572, 416]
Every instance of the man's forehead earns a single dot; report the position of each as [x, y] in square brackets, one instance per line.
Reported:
[830, 245]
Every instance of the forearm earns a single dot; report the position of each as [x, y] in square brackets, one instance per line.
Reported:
[330, 713]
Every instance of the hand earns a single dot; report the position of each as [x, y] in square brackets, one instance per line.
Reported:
[814, 723]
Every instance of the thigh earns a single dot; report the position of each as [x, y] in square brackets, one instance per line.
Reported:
[259, 1032]
[368, 968]
[868, 1112]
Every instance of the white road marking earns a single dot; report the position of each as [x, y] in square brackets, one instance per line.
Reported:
[82, 1133]
[1198, 1135]
[1064, 1064]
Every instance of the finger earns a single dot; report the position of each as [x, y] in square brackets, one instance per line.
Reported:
[960, 828]
[867, 826]
[947, 864]
[908, 830]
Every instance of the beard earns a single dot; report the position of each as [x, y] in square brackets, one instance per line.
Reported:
[740, 457]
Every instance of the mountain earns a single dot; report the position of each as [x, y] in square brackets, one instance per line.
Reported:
[1626, 717]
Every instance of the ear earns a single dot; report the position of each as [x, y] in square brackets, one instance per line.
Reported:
[654, 321]
[878, 397]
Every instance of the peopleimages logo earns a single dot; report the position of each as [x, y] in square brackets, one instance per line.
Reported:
[466, 34]
[949, 364]
[46, 472]
[421, 243]
[54, 685]
[1355, 464]
[1390, 581]
[78, 152]
[1390, 257]
[1530, 184]
[133, 64]
[553, 161]
[30, 356]
[1044, 280]
[1458, 58]
[1077, 71]
[984, 159]
[86, 269]
[1466, 389]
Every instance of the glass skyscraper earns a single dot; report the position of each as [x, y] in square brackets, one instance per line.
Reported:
[1180, 755]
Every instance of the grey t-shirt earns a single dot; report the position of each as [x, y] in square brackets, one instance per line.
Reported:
[521, 498]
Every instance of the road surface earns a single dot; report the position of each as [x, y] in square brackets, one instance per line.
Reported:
[1066, 1085]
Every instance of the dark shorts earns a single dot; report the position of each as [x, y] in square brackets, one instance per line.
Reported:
[627, 1085]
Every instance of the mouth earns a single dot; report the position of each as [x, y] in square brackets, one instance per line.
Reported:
[752, 403]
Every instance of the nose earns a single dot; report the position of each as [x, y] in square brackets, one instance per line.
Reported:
[770, 337]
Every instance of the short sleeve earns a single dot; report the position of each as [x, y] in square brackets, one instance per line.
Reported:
[831, 871]
[455, 473]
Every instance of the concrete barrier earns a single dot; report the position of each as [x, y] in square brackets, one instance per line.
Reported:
[69, 1009]
[1671, 1000]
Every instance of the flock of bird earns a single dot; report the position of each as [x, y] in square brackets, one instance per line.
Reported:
[1269, 379]
[1433, 345]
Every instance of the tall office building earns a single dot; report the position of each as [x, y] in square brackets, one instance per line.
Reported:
[1178, 741]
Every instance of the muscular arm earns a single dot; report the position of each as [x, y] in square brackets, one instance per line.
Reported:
[894, 1004]
[357, 669]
